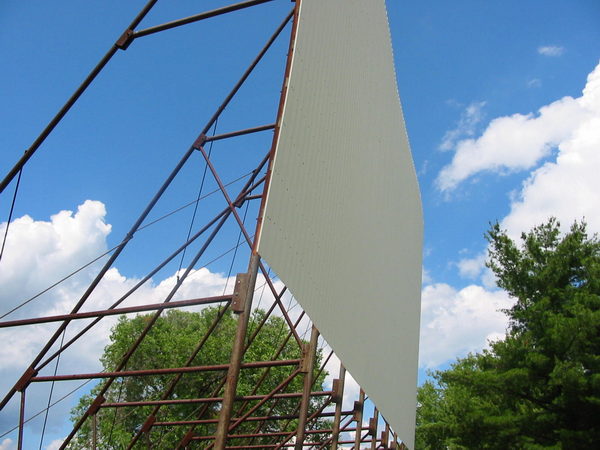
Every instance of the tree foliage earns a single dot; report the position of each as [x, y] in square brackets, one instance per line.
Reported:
[539, 387]
[169, 344]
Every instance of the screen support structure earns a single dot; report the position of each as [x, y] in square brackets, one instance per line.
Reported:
[288, 407]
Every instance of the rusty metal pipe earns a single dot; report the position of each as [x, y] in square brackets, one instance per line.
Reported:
[116, 311]
[197, 17]
[218, 137]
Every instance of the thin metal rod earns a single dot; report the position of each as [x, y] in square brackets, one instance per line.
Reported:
[197, 17]
[71, 101]
[308, 381]
[338, 408]
[218, 137]
[117, 311]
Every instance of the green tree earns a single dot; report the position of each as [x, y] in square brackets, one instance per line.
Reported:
[539, 387]
[169, 344]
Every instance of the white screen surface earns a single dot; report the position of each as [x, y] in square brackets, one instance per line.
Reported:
[343, 222]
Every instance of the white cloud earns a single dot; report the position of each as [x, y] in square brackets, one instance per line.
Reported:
[7, 444]
[471, 268]
[551, 50]
[456, 322]
[467, 122]
[521, 141]
[534, 83]
[55, 444]
[39, 253]
[566, 188]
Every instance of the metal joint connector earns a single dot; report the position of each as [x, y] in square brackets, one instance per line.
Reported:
[240, 292]
[95, 406]
[373, 427]
[148, 424]
[25, 379]
[125, 39]
[336, 397]
[199, 142]
[305, 363]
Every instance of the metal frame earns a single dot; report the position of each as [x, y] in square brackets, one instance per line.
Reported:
[306, 426]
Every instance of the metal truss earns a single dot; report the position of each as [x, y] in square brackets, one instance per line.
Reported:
[223, 417]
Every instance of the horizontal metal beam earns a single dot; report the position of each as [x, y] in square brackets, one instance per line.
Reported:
[117, 311]
[271, 434]
[187, 401]
[247, 419]
[218, 137]
[146, 372]
[197, 17]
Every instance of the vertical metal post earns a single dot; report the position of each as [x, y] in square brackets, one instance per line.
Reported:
[395, 445]
[373, 429]
[359, 417]
[21, 421]
[95, 430]
[236, 357]
[386, 436]
[308, 366]
[339, 400]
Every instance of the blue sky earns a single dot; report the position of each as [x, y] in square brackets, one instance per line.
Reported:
[492, 95]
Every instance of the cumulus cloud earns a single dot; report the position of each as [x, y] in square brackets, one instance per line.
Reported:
[471, 267]
[7, 444]
[55, 444]
[469, 118]
[566, 188]
[565, 185]
[456, 322]
[551, 50]
[40, 252]
[521, 141]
